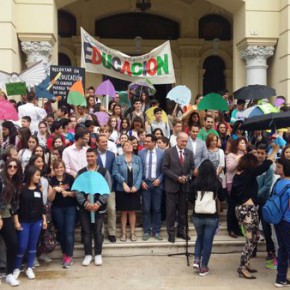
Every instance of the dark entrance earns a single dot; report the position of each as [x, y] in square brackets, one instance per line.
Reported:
[214, 78]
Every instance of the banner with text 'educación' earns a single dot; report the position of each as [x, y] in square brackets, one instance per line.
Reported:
[156, 66]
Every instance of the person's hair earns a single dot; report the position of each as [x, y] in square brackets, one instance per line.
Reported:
[284, 150]
[110, 120]
[207, 117]
[153, 138]
[30, 96]
[209, 138]
[64, 122]
[157, 110]
[141, 131]
[89, 123]
[56, 125]
[39, 146]
[25, 134]
[26, 118]
[128, 141]
[194, 125]
[110, 104]
[286, 167]
[175, 122]
[57, 162]
[90, 150]
[164, 140]
[95, 120]
[80, 133]
[43, 123]
[91, 88]
[235, 143]
[35, 138]
[12, 131]
[247, 161]
[123, 134]
[137, 100]
[197, 97]
[115, 106]
[49, 116]
[219, 124]
[158, 129]
[88, 101]
[29, 172]
[59, 150]
[54, 140]
[7, 152]
[128, 123]
[11, 184]
[63, 109]
[104, 128]
[190, 121]
[240, 102]
[237, 126]
[206, 178]
[31, 162]
[137, 120]
[263, 146]
[99, 136]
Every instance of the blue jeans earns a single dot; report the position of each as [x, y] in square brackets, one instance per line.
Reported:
[64, 220]
[151, 199]
[27, 240]
[283, 237]
[205, 229]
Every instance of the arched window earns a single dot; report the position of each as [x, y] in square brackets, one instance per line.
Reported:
[214, 26]
[214, 78]
[66, 24]
[63, 59]
[130, 25]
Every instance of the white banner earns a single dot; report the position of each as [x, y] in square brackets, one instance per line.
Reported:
[156, 66]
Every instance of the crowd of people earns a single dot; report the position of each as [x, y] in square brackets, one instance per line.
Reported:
[153, 163]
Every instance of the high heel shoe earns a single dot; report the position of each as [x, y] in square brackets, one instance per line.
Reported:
[244, 273]
[250, 270]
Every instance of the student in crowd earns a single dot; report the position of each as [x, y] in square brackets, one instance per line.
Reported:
[113, 124]
[159, 123]
[177, 128]
[25, 122]
[137, 124]
[10, 187]
[25, 153]
[106, 130]
[29, 220]
[61, 113]
[9, 135]
[207, 129]
[162, 143]
[42, 133]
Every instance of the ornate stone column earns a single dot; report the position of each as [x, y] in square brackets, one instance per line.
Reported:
[37, 51]
[256, 63]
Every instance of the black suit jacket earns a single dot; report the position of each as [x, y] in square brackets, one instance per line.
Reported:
[172, 169]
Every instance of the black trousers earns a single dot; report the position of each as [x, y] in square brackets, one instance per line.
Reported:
[232, 222]
[9, 235]
[176, 201]
[92, 230]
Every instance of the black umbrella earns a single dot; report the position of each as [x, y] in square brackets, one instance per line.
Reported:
[254, 92]
[267, 121]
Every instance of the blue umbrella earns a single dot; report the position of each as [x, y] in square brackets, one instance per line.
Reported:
[180, 94]
[41, 90]
[91, 182]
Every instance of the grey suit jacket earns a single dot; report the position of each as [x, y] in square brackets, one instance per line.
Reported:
[201, 152]
[172, 169]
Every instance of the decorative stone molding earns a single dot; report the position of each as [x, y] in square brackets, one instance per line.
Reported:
[257, 52]
[37, 51]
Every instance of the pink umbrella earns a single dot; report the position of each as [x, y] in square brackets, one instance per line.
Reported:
[103, 118]
[7, 111]
[106, 88]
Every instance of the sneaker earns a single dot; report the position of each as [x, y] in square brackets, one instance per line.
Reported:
[203, 271]
[158, 237]
[283, 284]
[16, 273]
[64, 257]
[98, 260]
[29, 273]
[68, 263]
[44, 258]
[146, 237]
[87, 260]
[196, 264]
[271, 264]
[10, 279]
[36, 262]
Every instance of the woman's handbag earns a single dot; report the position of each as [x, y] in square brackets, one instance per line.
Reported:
[205, 202]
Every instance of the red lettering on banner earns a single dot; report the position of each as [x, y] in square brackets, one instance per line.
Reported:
[126, 68]
[151, 70]
[96, 57]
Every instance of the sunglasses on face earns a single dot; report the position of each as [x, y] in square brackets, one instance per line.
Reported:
[12, 166]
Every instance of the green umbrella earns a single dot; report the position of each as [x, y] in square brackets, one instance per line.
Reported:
[76, 95]
[124, 99]
[213, 101]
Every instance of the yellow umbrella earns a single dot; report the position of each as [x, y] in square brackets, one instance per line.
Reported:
[150, 115]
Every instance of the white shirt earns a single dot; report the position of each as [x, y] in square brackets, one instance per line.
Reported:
[172, 140]
[193, 144]
[35, 113]
[103, 157]
[154, 164]
[112, 147]
[178, 152]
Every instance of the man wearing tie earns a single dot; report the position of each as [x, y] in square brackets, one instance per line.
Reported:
[106, 159]
[151, 187]
[178, 166]
[197, 147]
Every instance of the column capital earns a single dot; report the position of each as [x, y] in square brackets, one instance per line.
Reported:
[37, 51]
[257, 52]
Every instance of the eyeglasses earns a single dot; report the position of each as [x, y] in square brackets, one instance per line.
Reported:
[42, 127]
[12, 166]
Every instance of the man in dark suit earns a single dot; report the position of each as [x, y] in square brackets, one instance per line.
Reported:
[152, 179]
[196, 146]
[106, 159]
[178, 166]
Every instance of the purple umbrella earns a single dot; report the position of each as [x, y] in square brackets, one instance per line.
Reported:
[106, 88]
[103, 118]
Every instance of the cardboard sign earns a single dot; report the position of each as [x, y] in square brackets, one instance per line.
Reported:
[16, 89]
[69, 75]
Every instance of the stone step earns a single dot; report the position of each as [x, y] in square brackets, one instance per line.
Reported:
[222, 244]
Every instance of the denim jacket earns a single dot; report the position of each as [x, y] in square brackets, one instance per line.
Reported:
[120, 171]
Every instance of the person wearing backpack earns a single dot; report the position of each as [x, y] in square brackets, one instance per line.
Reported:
[206, 191]
[283, 228]
[245, 194]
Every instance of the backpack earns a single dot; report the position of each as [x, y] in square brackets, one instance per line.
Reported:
[274, 210]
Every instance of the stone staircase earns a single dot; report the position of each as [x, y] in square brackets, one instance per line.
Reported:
[222, 243]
